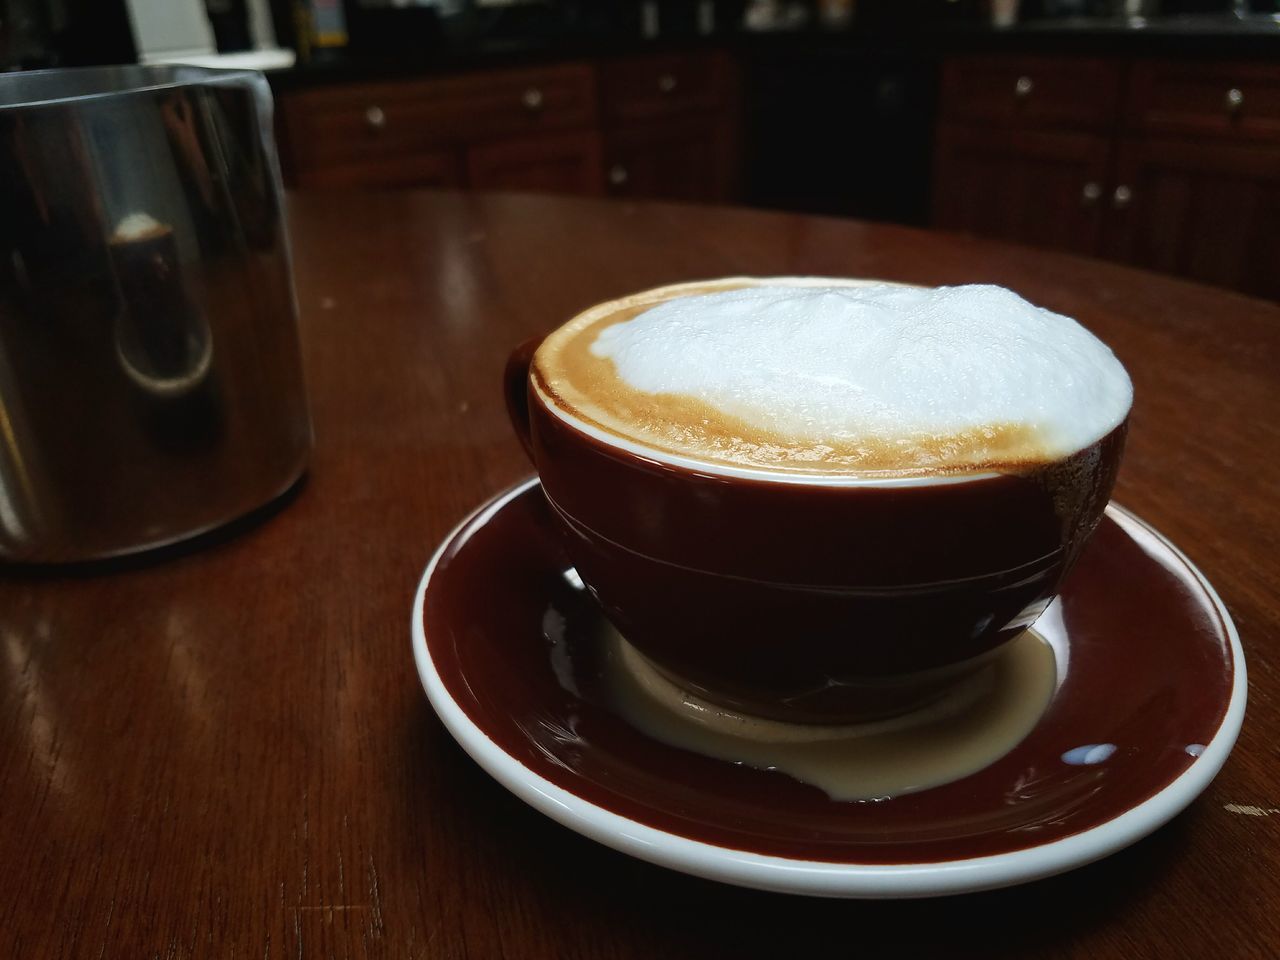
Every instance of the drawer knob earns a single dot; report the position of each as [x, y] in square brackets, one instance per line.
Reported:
[532, 99]
[618, 175]
[375, 118]
[1122, 197]
[1091, 192]
[1234, 100]
[1022, 88]
[667, 83]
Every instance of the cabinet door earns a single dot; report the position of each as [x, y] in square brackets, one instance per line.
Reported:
[560, 163]
[1205, 210]
[678, 159]
[1035, 187]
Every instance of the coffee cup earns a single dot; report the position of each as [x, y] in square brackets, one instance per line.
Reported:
[848, 577]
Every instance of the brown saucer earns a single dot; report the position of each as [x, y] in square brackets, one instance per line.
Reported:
[1149, 700]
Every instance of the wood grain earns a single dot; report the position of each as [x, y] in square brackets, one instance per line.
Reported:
[1024, 185]
[224, 751]
[329, 126]
[1173, 177]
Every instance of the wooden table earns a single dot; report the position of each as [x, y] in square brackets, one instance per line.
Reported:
[226, 752]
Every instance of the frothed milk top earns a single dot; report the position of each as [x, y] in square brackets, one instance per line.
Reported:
[817, 375]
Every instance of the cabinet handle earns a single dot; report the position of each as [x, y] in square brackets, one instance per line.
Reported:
[1091, 192]
[1023, 87]
[667, 83]
[618, 175]
[1122, 197]
[375, 118]
[532, 99]
[1234, 100]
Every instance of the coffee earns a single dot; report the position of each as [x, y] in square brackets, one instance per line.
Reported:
[821, 376]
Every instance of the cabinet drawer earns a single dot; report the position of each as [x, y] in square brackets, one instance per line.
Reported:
[1201, 208]
[367, 122]
[665, 85]
[1218, 99]
[1041, 91]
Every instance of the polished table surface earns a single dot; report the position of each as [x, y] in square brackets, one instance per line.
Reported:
[224, 751]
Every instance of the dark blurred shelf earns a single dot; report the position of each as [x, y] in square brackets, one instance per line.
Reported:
[1194, 37]
[1201, 36]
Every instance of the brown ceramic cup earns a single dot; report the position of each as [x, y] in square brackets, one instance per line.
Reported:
[829, 599]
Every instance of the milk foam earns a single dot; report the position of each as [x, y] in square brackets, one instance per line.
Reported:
[881, 361]
[792, 373]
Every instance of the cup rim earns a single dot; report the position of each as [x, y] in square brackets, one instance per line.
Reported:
[652, 455]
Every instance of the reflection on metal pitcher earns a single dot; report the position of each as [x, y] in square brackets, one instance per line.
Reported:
[150, 377]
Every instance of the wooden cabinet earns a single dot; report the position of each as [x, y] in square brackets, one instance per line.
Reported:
[386, 134]
[670, 127]
[657, 126]
[665, 85]
[1204, 210]
[419, 168]
[681, 160]
[1032, 91]
[561, 163]
[1024, 149]
[1169, 165]
[1231, 100]
[1030, 186]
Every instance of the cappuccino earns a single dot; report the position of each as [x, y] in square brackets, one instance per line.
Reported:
[828, 377]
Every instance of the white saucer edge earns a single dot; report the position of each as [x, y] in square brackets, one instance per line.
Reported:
[821, 878]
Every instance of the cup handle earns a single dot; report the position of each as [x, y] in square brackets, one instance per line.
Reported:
[516, 384]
